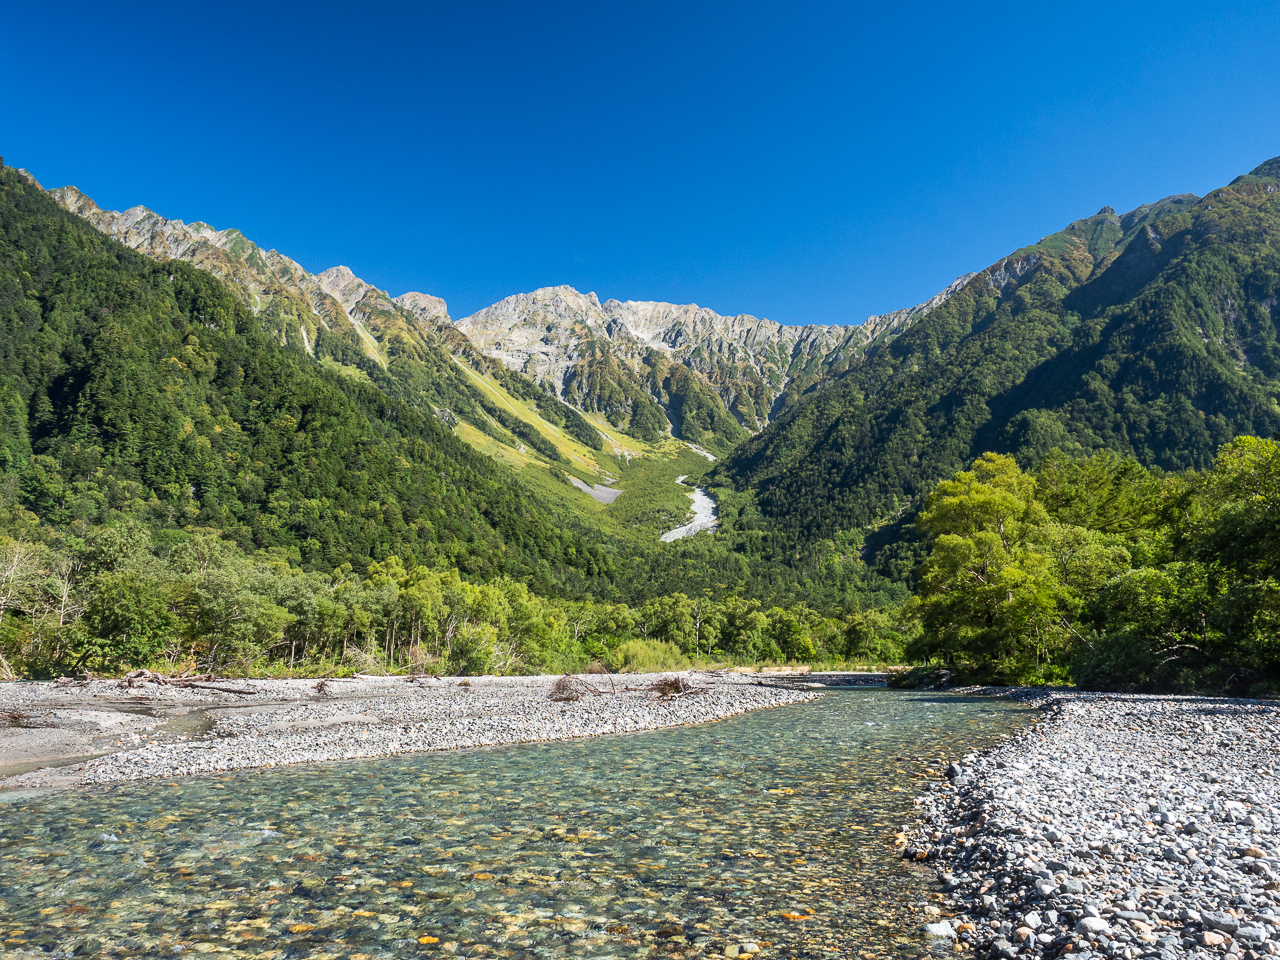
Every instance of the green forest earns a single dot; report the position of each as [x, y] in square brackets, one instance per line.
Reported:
[1153, 335]
[1104, 573]
[1066, 473]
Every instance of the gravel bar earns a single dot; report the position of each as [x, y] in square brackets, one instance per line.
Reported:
[1117, 826]
[277, 722]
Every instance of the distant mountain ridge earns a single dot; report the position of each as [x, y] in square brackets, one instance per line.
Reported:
[650, 368]
[406, 345]
[1152, 333]
[558, 335]
[271, 284]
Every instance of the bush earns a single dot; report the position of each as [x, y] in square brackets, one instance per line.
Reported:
[648, 656]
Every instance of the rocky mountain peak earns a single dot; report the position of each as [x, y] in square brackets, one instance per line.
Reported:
[567, 294]
[344, 286]
[425, 307]
[75, 201]
[270, 284]
[553, 333]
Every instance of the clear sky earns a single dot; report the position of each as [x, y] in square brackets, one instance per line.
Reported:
[809, 162]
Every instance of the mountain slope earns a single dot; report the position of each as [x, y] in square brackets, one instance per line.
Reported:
[148, 387]
[648, 369]
[619, 359]
[407, 346]
[1152, 334]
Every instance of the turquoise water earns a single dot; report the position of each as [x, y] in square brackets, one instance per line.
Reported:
[774, 828]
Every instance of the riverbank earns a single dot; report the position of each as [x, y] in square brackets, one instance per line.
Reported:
[50, 732]
[1117, 826]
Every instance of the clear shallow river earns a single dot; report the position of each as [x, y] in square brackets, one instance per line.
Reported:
[774, 827]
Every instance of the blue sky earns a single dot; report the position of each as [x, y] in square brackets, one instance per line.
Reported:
[809, 162]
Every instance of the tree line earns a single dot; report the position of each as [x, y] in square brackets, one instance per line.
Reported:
[118, 595]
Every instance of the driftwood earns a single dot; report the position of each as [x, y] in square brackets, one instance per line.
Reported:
[322, 686]
[599, 669]
[199, 682]
[670, 689]
[569, 689]
[83, 678]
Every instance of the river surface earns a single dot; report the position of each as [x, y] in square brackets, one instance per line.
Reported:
[774, 828]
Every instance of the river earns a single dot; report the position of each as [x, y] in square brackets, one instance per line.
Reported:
[772, 828]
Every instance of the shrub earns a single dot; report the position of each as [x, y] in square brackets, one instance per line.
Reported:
[648, 656]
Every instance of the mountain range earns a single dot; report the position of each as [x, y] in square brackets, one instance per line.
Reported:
[753, 367]
[1151, 333]
[648, 368]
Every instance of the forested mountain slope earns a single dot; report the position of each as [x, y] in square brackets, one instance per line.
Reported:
[1152, 334]
[406, 345]
[131, 384]
[648, 369]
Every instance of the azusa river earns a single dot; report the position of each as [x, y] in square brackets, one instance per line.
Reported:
[771, 831]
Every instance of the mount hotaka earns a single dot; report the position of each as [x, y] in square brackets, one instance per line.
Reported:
[650, 369]
[1151, 333]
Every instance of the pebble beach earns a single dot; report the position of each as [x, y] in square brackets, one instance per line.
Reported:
[1114, 826]
[1117, 826]
[152, 730]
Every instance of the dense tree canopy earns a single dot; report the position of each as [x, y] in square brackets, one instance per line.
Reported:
[1133, 579]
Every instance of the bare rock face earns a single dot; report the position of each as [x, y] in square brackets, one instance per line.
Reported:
[748, 361]
[430, 310]
[269, 283]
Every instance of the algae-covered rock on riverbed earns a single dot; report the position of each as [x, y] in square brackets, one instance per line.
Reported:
[770, 829]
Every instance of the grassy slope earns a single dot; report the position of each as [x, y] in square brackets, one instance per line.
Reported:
[652, 501]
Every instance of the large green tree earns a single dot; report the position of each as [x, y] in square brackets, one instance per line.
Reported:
[1003, 583]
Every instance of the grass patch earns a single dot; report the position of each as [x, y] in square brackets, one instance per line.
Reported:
[574, 452]
[652, 502]
[355, 373]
